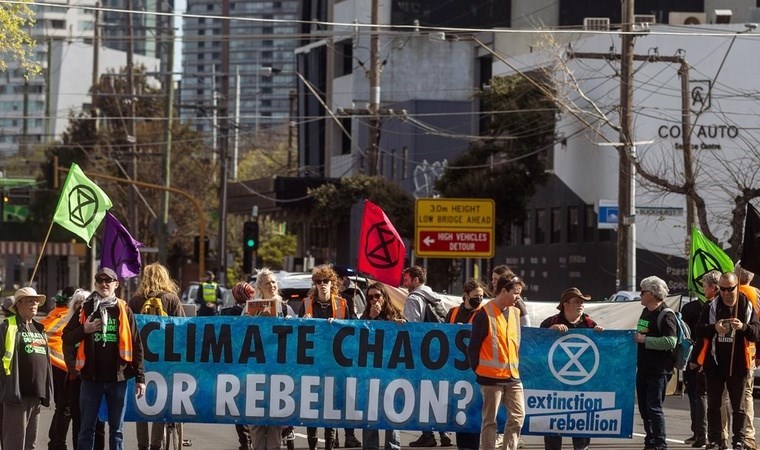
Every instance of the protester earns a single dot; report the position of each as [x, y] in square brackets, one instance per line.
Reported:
[155, 282]
[110, 353]
[267, 289]
[324, 302]
[350, 290]
[380, 307]
[745, 279]
[208, 295]
[472, 299]
[656, 340]
[241, 293]
[504, 271]
[693, 377]
[415, 306]
[497, 327]
[26, 381]
[54, 323]
[571, 316]
[729, 329]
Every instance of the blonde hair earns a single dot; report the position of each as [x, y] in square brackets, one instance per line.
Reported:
[154, 280]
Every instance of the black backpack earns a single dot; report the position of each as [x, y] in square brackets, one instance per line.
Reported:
[434, 310]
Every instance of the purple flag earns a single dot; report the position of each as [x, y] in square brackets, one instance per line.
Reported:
[120, 249]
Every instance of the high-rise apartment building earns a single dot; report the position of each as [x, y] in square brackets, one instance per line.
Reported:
[262, 40]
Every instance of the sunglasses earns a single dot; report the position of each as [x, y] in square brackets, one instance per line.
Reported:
[375, 296]
[323, 281]
[104, 280]
[727, 288]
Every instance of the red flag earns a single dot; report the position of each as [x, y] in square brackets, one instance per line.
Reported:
[381, 250]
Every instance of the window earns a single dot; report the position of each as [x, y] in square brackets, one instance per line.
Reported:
[573, 224]
[345, 137]
[540, 226]
[589, 223]
[526, 230]
[556, 217]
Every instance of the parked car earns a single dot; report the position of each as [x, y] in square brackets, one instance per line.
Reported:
[625, 296]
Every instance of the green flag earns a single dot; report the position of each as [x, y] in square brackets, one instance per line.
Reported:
[705, 256]
[82, 205]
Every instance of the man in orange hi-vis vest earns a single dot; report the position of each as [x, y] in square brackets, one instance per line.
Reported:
[54, 323]
[109, 355]
[493, 355]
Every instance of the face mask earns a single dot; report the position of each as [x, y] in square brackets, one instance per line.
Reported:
[475, 301]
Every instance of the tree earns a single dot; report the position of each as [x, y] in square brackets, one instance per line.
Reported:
[336, 200]
[510, 161]
[15, 42]
[685, 173]
[107, 151]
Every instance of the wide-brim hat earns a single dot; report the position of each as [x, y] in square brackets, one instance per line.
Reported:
[26, 292]
[570, 293]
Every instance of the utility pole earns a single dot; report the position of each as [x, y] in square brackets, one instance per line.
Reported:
[626, 231]
[95, 65]
[48, 93]
[688, 164]
[132, 132]
[687, 187]
[223, 147]
[291, 127]
[373, 147]
[163, 237]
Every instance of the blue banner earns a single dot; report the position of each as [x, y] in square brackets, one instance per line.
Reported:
[374, 374]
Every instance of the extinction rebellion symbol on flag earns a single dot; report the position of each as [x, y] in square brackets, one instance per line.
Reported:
[83, 204]
[382, 246]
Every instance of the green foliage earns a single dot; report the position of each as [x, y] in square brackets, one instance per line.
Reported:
[510, 161]
[335, 201]
[15, 42]
[275, 248]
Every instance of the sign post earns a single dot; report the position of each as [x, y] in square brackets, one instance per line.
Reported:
[454, 228]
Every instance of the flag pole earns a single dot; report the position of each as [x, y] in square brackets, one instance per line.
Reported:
[42, 252]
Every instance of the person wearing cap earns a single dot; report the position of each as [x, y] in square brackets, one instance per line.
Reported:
[352, 291]
[74, 381]
[155, 282]
[493, 353]
[209, 295]
[26, 381]
[109, 355]
[54, 323]
[570, 316]
[654, 360]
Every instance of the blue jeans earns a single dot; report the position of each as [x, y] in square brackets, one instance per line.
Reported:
[90, 396]
[371, 440]
[650, 390]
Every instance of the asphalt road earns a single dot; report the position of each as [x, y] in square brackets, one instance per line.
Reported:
[223, 437]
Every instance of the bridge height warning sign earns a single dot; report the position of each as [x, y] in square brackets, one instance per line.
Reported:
[454, 228]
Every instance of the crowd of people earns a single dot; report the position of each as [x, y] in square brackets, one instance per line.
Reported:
[80, 357]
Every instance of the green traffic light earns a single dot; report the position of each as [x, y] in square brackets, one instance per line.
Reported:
[250, 243]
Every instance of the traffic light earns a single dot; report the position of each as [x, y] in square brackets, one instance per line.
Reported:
[250, 236]
[250, 243]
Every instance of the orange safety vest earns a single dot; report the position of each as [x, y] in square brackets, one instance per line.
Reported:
[749, 346]
[499, 357]
[751, 294]
[125, 336]
[455, 311]
[339, 306]
[54, 325]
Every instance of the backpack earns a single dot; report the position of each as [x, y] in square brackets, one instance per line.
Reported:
[684, 343]
[154, 307]
[434, 310]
